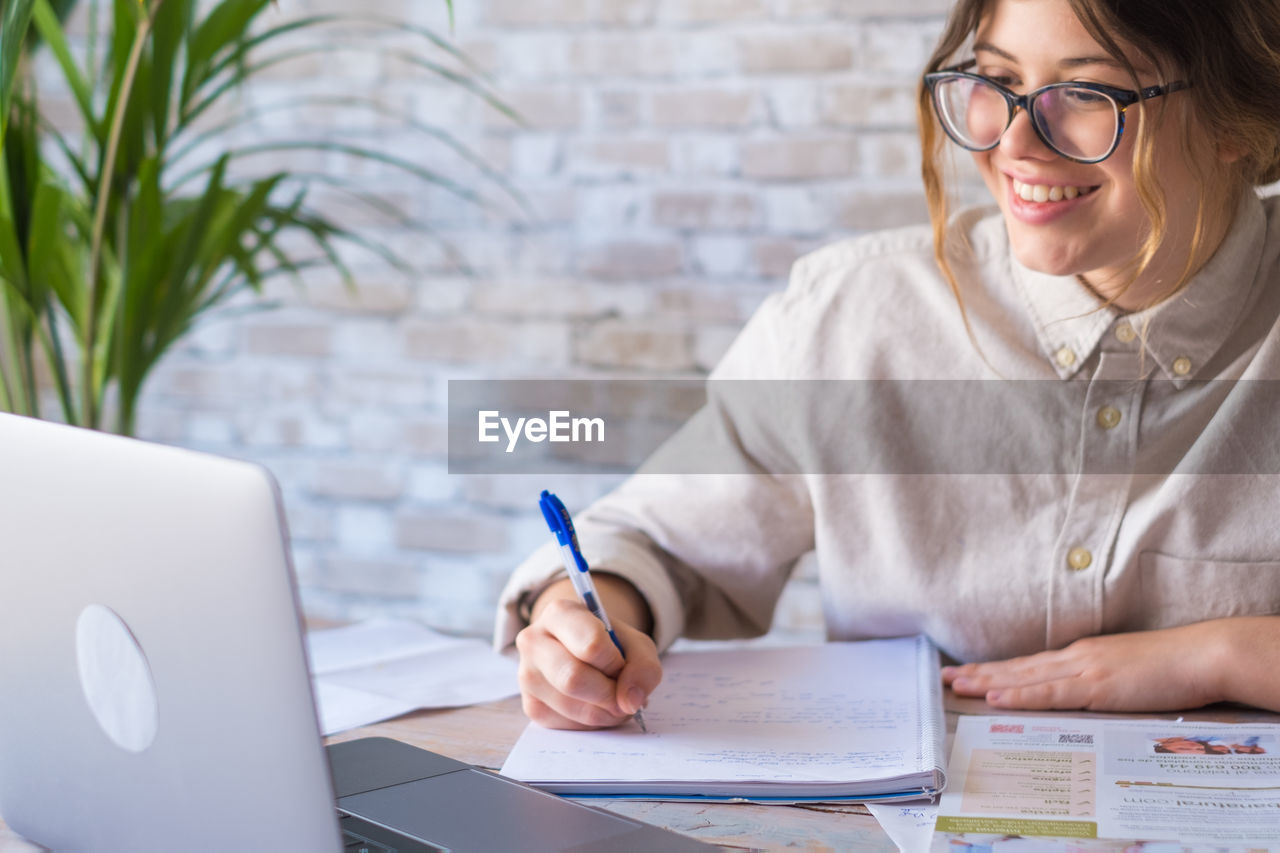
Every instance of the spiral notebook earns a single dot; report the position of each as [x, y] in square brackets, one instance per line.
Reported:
[839, 721]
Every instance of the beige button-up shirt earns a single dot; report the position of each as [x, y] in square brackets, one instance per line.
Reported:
[1147, 506]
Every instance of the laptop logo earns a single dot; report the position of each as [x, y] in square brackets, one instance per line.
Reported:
[116, 678]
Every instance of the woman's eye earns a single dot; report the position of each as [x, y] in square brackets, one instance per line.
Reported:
[1086, 98]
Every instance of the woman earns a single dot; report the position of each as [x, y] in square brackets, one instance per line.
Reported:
[1129, 260]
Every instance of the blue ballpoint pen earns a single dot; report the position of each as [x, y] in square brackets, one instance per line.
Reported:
[579, 574]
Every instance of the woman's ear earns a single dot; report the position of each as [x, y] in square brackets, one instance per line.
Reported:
[1229, 150]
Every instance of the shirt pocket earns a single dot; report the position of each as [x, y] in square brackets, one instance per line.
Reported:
[1177, 591]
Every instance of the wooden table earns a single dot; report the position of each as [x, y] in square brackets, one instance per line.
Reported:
[484, 734]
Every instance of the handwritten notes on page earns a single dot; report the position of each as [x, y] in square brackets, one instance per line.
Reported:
[833, 720]
[384, 668]
[909, 827]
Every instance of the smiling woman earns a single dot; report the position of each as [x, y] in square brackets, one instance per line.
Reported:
[1147, 206]
[1127, 255]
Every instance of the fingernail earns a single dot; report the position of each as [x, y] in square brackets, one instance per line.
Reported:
[961, 684]
[636, 697]
[993, 696]
[947, 670]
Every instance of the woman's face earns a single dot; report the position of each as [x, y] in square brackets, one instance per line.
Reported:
[1026, 44]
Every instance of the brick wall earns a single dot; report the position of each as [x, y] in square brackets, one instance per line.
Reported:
[677, 156]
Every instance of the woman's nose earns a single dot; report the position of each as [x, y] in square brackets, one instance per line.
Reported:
[1020, 140]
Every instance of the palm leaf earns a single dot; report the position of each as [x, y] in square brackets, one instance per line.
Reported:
[14, 22]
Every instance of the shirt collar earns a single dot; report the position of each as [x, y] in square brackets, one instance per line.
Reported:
[1182, 333]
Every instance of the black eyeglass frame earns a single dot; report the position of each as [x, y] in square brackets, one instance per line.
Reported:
[1124, 98]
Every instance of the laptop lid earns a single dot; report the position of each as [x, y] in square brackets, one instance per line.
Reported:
[156, 694]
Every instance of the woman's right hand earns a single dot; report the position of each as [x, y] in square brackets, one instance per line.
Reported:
[571, 674]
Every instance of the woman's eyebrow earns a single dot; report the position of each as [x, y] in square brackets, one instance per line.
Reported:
[1072, 62]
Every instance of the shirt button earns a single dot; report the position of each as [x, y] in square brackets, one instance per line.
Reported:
[1125, 333]
[1079, 558]
[1108, 417]
[1182, 366]
[1066, 356]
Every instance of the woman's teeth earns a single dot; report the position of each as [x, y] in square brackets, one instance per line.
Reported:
[1043, 192]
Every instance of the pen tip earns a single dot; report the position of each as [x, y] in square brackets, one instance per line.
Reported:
[639, 718]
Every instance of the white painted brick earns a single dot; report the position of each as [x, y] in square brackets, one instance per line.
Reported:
[266, 429]
[430, 484]
[366, 340]
[441, 294]
[537, 154]
[712, 11]
[635, 260]
[796, 210]
[543, 13]
[704, 209]
[704, 107]
[473, 341]
[775, 255]
[901, 48]
[710, 343]
[869, 105]
[536, 56]
[531, 296]
[722, 255]
[691, 55]
[704, 155]
[386, 578]
[425, 437]
[795, 52]
[371, 431]
[614, 343]
[618, 158]
[210, 430]
[793, 104]
[628, 13]
[357, 386]
[448, 530]
[867, 212]
[800, 158]
[364, 529]
[889, 155]
[382, 295]
[606, 54]
[349, 479]
[614, 110]
[309, 522]
[614, 206]
[696, 302]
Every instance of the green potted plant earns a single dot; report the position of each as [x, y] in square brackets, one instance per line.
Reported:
[112, 245]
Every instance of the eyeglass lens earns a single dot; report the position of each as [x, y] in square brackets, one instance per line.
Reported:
[1075, 122]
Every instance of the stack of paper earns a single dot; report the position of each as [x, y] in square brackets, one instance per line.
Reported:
[384, 668]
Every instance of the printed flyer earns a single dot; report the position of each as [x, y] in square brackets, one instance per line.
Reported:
[1110, 786]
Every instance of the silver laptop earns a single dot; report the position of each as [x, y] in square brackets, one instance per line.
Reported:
[155, 687]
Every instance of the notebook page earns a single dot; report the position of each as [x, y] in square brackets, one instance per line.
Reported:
[829, 713]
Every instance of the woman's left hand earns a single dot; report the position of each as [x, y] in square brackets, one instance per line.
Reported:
[1162, 670]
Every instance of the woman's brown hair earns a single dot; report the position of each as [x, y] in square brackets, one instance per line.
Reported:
[1229, 50]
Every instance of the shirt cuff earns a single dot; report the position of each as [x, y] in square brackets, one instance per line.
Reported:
[613, 556]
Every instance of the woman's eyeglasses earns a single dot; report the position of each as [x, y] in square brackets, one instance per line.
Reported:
[1080, 121]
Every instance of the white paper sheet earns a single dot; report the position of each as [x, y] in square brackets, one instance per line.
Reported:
[386, 667]
[909, 827]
